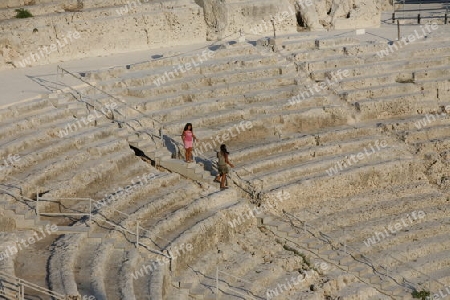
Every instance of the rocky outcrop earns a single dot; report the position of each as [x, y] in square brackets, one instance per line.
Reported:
[227, 17]
[338, 14]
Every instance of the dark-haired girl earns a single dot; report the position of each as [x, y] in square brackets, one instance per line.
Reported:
[222, 155]
[188, 138]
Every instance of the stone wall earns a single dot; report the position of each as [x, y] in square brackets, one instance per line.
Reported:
[70, 35]
[111, 26]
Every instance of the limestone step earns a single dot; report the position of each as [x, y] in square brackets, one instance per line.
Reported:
[221, 55]
[197, 232]
[386, 241]
[130, 264]
[219, 68]
[282, 176]
[218, 90]
[431, 73]
[364, 49]
[46, 146]
[61, 276]
[366, 81]
[50, 118]
[146, 73]
[84, 162]
[395, 244]
[182, 219]
[308, 55]
[112, 276]
[134, 205]
[368, 213]
[429, 127]
[297, 45]
[389, 168]
[399, 105]
[332, 42]
[376, 67]
[378, 91]
[304, 155]
[335, 62]
[357, 290]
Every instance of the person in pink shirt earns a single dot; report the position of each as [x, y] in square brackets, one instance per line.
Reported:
[188, 138]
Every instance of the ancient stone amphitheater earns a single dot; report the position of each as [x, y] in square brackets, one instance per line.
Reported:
[341, 185]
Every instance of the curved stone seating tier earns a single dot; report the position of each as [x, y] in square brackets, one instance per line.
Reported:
[401, 105]
[61, 263]
[74, 161]
[33, 120]
[298, 144]
[358, 290]
[131, 204]
[276, 168]
[297, 156]
[211, 223]
[179, 220]
[401, 253]
[47, 145]
[431, 261]
[381, 68]
[380, 173]
[366, 228]
[279, 95]
[99, 254]
[222, 59]
[311, 170]
[291, 45]
[204, 89]
[433, 128]
[240, 259]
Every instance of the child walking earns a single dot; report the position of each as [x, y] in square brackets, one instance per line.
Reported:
[188, 138]
[222, 155]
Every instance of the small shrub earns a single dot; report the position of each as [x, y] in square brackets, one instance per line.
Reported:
[423, 295]
[23, 13]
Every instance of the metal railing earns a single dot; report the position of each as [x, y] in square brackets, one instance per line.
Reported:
[418, 13]
[151, 133]
[91, 217]
[39, 213]
[16, 287]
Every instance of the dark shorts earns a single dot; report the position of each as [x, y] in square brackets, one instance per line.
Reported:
[223, 169]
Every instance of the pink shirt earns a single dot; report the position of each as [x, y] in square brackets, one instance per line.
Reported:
[188, 139]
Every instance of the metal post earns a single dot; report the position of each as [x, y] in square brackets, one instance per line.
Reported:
[217, 282]
[445, 18]
[418, 19]
[21, 290]
[393, 17]
[398, 30]
[404, 9]
[137, 234]
[37, 204]
[274, 31]
[90, 211]
[345, 243]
